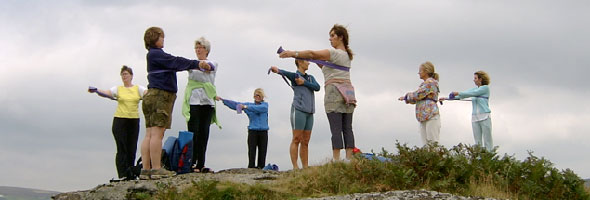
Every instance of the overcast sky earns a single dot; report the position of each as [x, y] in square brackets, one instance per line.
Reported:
[56, 136]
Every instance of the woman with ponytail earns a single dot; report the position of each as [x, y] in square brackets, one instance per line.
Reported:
[339, 100]
[425, 99]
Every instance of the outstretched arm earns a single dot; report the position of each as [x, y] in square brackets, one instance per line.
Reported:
[474, 92]
[307, 54]
[423, 91]
[175, 63]
[102, 93]
[288, 74]
[229, 103]
[257, 108]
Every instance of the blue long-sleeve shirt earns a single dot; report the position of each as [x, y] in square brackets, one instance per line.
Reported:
[480, 105]
[257, 113]
[157, 59]
[303, 96]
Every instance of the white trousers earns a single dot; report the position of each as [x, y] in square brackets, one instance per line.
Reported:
[430, 130]
[483, 130]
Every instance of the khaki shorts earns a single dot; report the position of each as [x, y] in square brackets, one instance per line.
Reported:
[157, 108]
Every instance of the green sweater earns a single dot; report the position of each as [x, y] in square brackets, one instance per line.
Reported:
[211, 93]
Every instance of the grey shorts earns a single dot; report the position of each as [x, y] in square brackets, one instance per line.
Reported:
[301, 120]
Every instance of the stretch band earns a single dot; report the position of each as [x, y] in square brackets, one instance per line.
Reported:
[283, 76]
[93, 89]
[452, 98]
[239, 108]
[321, 62]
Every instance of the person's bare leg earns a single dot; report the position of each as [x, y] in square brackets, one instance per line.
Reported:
[145, 149]
[294, 148]
[336, 154]
[303, 151]
[349, 153]
[157, 134]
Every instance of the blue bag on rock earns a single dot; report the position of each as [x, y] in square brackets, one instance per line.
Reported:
[182, 153]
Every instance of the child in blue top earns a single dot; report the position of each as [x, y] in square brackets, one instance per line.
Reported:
[304, 85]
[257, 129]
[481, 121]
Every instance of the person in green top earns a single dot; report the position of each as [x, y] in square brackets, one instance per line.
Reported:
[199, 104]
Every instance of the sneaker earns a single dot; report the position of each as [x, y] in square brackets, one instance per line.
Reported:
[145, 174]
[161, 173]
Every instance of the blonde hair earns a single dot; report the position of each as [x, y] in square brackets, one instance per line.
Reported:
[429, 69]
[151, 36]
[260, 92]
[485, 78]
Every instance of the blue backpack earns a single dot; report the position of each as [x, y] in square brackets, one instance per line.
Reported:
[179, 152]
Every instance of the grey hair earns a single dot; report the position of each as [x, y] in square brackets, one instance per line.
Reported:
[204, 42]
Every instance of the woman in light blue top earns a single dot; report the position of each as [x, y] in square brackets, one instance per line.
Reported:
[481, 121]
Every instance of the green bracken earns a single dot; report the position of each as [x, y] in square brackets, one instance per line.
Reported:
[461, 170]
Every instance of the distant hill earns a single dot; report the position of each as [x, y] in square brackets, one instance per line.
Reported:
[7, 193]
[587, 182]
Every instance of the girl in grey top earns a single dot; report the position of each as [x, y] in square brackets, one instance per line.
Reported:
[304, 85]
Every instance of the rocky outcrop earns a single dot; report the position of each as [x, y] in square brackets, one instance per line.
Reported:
[124, 189]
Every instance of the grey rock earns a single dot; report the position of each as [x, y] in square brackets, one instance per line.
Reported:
[126, 189]
[400, 195]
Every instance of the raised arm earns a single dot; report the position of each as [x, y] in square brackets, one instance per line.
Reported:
[176, 63]
[103, 93]
[288, 74]
[424, 91]
[474, 92]
[307, 54]
[257, 108]
[230, 104]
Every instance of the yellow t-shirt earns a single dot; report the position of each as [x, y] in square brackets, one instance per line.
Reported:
[128, 99]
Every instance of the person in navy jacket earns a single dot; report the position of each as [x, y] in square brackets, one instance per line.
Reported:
[159, 101]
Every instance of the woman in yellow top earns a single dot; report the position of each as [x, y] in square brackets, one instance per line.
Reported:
[126, 121]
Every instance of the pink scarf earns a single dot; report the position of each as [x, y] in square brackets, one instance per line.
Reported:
[345, 88]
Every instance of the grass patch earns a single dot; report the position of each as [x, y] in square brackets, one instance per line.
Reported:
[210, 189]
[461, 170]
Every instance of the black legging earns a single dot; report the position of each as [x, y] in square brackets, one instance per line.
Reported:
[126, 132]
[199, 124]
[257, 139]
[341, 128]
